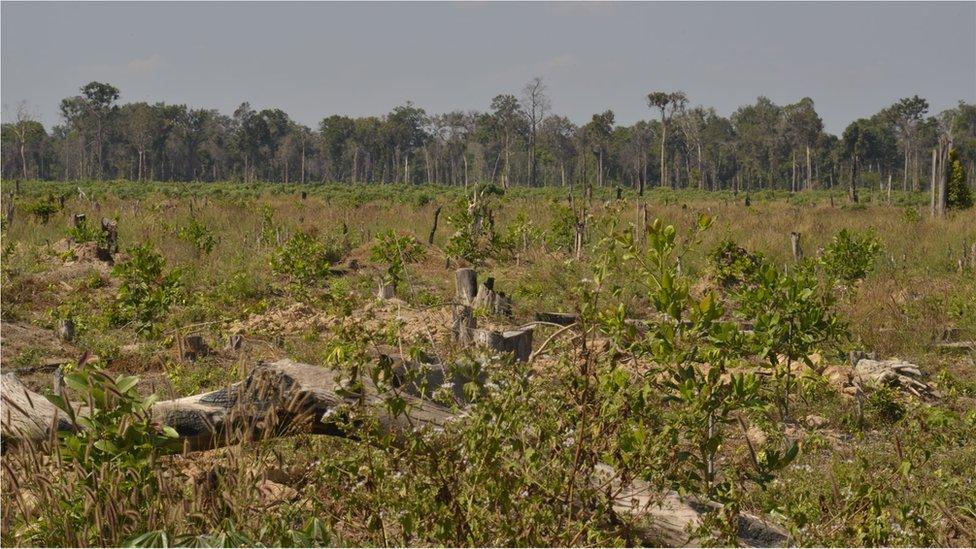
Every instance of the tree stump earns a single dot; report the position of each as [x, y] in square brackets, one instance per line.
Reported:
[195, 347]
[496, 303]
[110, 232]
[66, 329]
[386, 291]
[518, 342]
[78, 220]
[463, 325]
[795, 246]
[433, 228]
[466, 282]
[235, 342]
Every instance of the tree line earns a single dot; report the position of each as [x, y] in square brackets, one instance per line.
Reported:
[516, 141]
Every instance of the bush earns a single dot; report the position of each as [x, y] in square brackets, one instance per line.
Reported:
[199, 236]
[733, 264]
[304, 259]
[850, 257]
[147, 291]
[396, 251]
[43, 209]
[958, 194]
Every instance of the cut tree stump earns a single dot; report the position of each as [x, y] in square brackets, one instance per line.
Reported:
[287, 397]
[496, 303]
[386, 292]
[195, 347]
[518, 342]
[466, 282]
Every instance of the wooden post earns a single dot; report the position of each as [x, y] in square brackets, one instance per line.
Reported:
[466, 283]
[795, 246]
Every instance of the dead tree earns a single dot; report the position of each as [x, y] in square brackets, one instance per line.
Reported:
[433, 228]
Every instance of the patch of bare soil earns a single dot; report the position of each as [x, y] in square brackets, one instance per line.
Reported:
[33, 353]
[291, 319]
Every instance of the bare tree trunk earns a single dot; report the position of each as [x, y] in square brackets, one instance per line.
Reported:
[934, 184]
[809, 171]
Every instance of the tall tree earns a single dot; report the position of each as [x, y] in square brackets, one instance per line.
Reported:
[536, 106]
[667, 104]
[906, 114]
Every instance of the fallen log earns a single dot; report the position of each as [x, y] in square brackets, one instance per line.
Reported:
[288, 397]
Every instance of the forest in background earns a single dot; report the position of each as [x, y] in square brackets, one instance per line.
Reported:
[518, 140]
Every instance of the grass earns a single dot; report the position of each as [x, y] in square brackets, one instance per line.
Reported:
[899, 475]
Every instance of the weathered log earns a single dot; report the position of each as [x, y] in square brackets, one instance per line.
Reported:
[563, 319]
[275, 398]
[466, 283]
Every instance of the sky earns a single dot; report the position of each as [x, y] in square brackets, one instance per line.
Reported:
[317, 59]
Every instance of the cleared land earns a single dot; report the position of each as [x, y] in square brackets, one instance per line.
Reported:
[708, 393]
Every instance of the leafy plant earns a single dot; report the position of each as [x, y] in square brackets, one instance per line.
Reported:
[850, 256]
[396, 252]
[199, 236]
[304, 260]
[85, 232]
[958, 194]
[147, 291]
[43, 209]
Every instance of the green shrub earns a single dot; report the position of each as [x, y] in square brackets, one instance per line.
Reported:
[43, 209]
[850, 256]
[85, 232]
[396, 251]
[958, 194]
[147, 291]
[733, 265]
[199, 236]
[304, 260]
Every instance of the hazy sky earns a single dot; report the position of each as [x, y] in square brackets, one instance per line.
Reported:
[317, 59]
